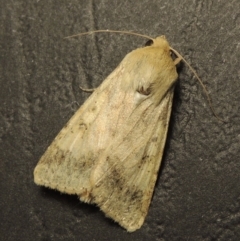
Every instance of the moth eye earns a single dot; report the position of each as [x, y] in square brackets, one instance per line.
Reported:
[149, 43]
[173, 55]
[143, 91]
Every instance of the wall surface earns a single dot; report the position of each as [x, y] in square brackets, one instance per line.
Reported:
[197, 194]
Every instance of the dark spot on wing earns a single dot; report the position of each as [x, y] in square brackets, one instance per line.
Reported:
[154, 139]
[144, 91]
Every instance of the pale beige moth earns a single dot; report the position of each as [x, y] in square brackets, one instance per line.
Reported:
[110, 151]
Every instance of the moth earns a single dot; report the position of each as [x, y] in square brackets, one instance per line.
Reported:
[110, 151]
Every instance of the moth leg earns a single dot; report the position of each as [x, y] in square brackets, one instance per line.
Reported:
[177, 60]
[177, 55]
[87, 90]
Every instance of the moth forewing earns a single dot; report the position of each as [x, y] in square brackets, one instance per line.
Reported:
[110, 151]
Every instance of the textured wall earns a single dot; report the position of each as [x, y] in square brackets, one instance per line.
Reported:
[197, 196]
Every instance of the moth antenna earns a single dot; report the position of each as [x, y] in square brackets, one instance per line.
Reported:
[110, 31]
[174, 51]
[200, 81]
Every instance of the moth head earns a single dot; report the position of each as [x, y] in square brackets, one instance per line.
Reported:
[158, 42]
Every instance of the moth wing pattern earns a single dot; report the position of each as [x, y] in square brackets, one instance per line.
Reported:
[110, 151]
[70, 159]
[125, 182]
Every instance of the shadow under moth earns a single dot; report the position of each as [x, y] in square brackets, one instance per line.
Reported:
[110, 151]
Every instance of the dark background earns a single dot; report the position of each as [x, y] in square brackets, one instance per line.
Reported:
[197, 195]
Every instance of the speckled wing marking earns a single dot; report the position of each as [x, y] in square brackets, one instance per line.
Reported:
[127, 170]
[69, 160]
